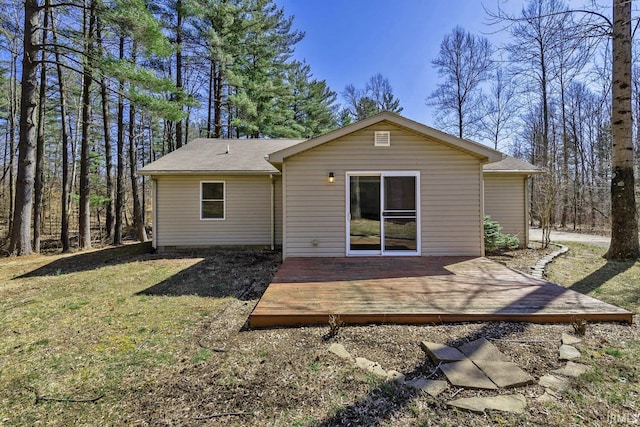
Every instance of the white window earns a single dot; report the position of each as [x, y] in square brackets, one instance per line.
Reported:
[212, 194]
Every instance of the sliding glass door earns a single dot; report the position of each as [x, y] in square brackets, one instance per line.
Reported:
[383, 217]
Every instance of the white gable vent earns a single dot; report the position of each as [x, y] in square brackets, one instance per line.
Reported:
[382, 138]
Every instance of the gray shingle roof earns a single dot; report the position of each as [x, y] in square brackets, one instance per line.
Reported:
[245, 156]
[511, 164]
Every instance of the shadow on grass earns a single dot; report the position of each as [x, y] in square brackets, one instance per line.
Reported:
[243, 274]
[216, 273]
[87, 261]
[602, 275]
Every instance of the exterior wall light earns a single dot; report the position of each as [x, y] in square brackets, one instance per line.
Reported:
[332, 177]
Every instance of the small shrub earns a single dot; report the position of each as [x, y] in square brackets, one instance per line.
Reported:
[494, 239]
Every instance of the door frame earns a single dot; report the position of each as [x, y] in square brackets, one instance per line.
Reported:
[382, 251]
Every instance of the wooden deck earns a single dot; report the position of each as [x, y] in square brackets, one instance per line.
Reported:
[307, 291]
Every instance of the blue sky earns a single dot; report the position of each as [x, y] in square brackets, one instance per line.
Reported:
[348, 41]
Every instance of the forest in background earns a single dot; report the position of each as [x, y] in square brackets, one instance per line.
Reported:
[114, 85]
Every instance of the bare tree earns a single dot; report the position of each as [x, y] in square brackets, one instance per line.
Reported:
[498, 109]
[20, 242]
[465, 62]
[624, 220]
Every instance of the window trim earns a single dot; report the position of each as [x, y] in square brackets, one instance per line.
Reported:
[223, 200]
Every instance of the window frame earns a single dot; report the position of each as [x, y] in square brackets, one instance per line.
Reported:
[223, 200]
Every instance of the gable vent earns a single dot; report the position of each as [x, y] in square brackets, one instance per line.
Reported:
[382, 138]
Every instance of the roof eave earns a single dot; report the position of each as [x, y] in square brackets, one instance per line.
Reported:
[207, 172]
[515, 171]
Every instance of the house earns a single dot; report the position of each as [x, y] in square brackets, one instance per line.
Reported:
[385, 185]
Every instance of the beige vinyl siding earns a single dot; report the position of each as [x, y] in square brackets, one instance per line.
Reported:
[450, 192]
[278, 209]
[505, 201]
[247, 212]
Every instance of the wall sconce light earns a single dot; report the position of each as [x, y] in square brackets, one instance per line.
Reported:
[332, 177]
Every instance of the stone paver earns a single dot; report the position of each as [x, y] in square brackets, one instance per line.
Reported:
[515, 403]
[465, 374]
[504, 374]
[395, 376]
[554, 382]
[572, 369]
[440, 352]
[340, 351]
[548, 396]
[570, 339]
[568, 352]
[482, 349]
[370, 366]
[431, 387]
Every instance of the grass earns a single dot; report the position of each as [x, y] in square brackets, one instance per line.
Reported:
[90, 333]
[615, 381]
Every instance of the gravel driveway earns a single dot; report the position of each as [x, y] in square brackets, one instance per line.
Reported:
[563, 236]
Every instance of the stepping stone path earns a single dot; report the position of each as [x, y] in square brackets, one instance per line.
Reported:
[483, 366]
[480, 364]
[431, 387]
[568, 352]
[537, 270]
[441, 353]
[573, 370]
[465, 373]
[510, 403]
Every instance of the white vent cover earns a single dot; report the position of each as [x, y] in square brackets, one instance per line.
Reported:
[382, 138]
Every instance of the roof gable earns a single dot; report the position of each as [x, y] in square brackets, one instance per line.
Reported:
[475, 149]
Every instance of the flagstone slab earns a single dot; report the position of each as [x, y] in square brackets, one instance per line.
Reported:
[515, 403]
[568, 352]
[465, 374]
[569, 339]
[547, 396]
[393, 375]
[572, 369]
[554, 382]
[340, 351]
[504, 374]
[483, 349]
[370, 366]
[431, 387]
[440, 352]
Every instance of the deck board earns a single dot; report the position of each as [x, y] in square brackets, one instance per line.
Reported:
[308, 291]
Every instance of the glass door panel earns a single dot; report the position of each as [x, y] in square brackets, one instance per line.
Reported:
[365, 230]
[400, 214]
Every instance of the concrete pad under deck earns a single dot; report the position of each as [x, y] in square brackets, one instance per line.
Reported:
[308, 291]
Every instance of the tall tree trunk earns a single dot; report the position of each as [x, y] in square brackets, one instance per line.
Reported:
[64, 221]
[117, 233]
[20, 242]
[624, 220]
[138, 223]
[85, 147]
[39, 174]
[179, 30]
[110, 222]
[12, 135]
[217, 105]
[210, 96]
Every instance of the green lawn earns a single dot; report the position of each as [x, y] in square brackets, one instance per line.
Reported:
[79, 327]
[613, 350]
